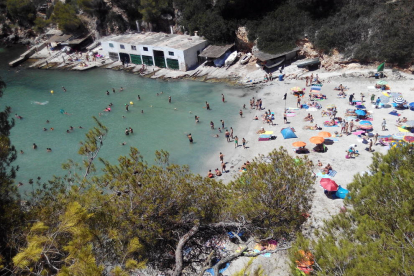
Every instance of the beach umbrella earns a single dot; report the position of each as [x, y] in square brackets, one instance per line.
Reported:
[381, 67]
[382, 82]
[324, 134]
[296, 89]
[329, 185]
[299, 144]
[317, 140]
[399, 100]
[360, 106]
[411, 104]
[410, 123]
[399, 135]
[395, 94]
[386, 94]
[360, 112]
[409, 139]
[385, 99]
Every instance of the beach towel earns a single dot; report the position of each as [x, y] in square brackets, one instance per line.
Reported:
[332, 139]
[395, 113]
[290, 114]
[332, 173]
[268, 132]
[323, 175]
[317, 88]
[293, 108]
[264, 137]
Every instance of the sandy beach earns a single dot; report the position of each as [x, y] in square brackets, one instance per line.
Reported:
[272, 96]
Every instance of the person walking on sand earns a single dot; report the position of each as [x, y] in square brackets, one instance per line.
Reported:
[351, 125]
[236, 142]
[227, 134]
[241, 113]
[370, 145]
[221, 155]
[346, 128]
[223, 166]
[384, 124]
[244, 143]
[376, 138]
[285, 117]
[222, 98]
[169, 99]
[343, 126]
[231, 132]
[298, 103]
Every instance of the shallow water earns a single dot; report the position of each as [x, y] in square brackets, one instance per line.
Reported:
[163, 125]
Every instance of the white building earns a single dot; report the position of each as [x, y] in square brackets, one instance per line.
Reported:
[172, 51]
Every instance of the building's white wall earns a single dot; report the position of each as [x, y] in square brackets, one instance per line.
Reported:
[186, 59]
[191, 56]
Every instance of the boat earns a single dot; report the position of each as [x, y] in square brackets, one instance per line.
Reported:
[245, 59]
[218, 62]
[230, 60]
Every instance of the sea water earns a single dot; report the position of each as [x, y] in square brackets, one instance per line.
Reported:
[162, 125]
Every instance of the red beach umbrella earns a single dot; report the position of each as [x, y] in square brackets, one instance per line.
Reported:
[329, 185]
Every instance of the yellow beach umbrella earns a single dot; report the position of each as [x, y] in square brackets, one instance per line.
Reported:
[400, 129]
[386, 94]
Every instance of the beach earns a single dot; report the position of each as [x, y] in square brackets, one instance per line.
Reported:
[188, 100]
[272, 95]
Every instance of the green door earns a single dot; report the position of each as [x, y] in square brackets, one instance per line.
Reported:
[173, 64]
[136, 59]
[147, 60]
[160, 62]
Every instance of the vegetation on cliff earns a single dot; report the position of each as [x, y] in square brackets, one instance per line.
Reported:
[366, 30]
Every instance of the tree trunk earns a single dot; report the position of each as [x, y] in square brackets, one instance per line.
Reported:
[179, 251]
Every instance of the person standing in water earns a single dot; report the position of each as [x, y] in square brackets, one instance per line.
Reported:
[113, 90]
[127, 107]
[197, 119]
[169, 99]
[64, 89]
[139, 98]
[241, 113]
[207, 106]
[126, 131]
[190, 138]
[222, 97]
[236, 142]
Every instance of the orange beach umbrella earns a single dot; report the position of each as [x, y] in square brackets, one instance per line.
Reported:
[299, 144]
[317, 140]
[324, 134]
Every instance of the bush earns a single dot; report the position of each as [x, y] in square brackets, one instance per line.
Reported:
[22, 11]
[65, 15]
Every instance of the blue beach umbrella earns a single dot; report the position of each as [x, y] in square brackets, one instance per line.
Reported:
[360, 112]
[411, 104]
[360, 106]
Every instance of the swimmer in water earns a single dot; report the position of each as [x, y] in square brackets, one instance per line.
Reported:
[47, 121]
[52, 128]
[123, 143]
[18, 116]
[21, 152]
[107, 92]
[34, 146]
[64, 89]
[44, 129]
[190, 138]
[71, 127]
[67, 131]
[48, 149]
[142, 111]
[80, 127]
[113, 90]
[122, 89]
[139, 98]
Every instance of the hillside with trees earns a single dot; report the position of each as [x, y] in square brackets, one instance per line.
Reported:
[364, 31]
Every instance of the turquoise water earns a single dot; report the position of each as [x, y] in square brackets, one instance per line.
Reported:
[163, 125]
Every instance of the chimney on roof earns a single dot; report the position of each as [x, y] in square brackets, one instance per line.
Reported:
[195, 33]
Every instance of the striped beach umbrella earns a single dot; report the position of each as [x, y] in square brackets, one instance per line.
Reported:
[399, 100]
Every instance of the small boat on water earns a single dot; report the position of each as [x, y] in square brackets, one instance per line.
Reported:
[245, 59]
[230, 60]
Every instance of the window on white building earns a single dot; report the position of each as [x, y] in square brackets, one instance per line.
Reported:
[111, 45]
[133, 47]
[145, 48]
[122, 46]
[171, 53]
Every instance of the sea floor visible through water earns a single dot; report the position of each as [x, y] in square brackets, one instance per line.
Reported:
[162, 125]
